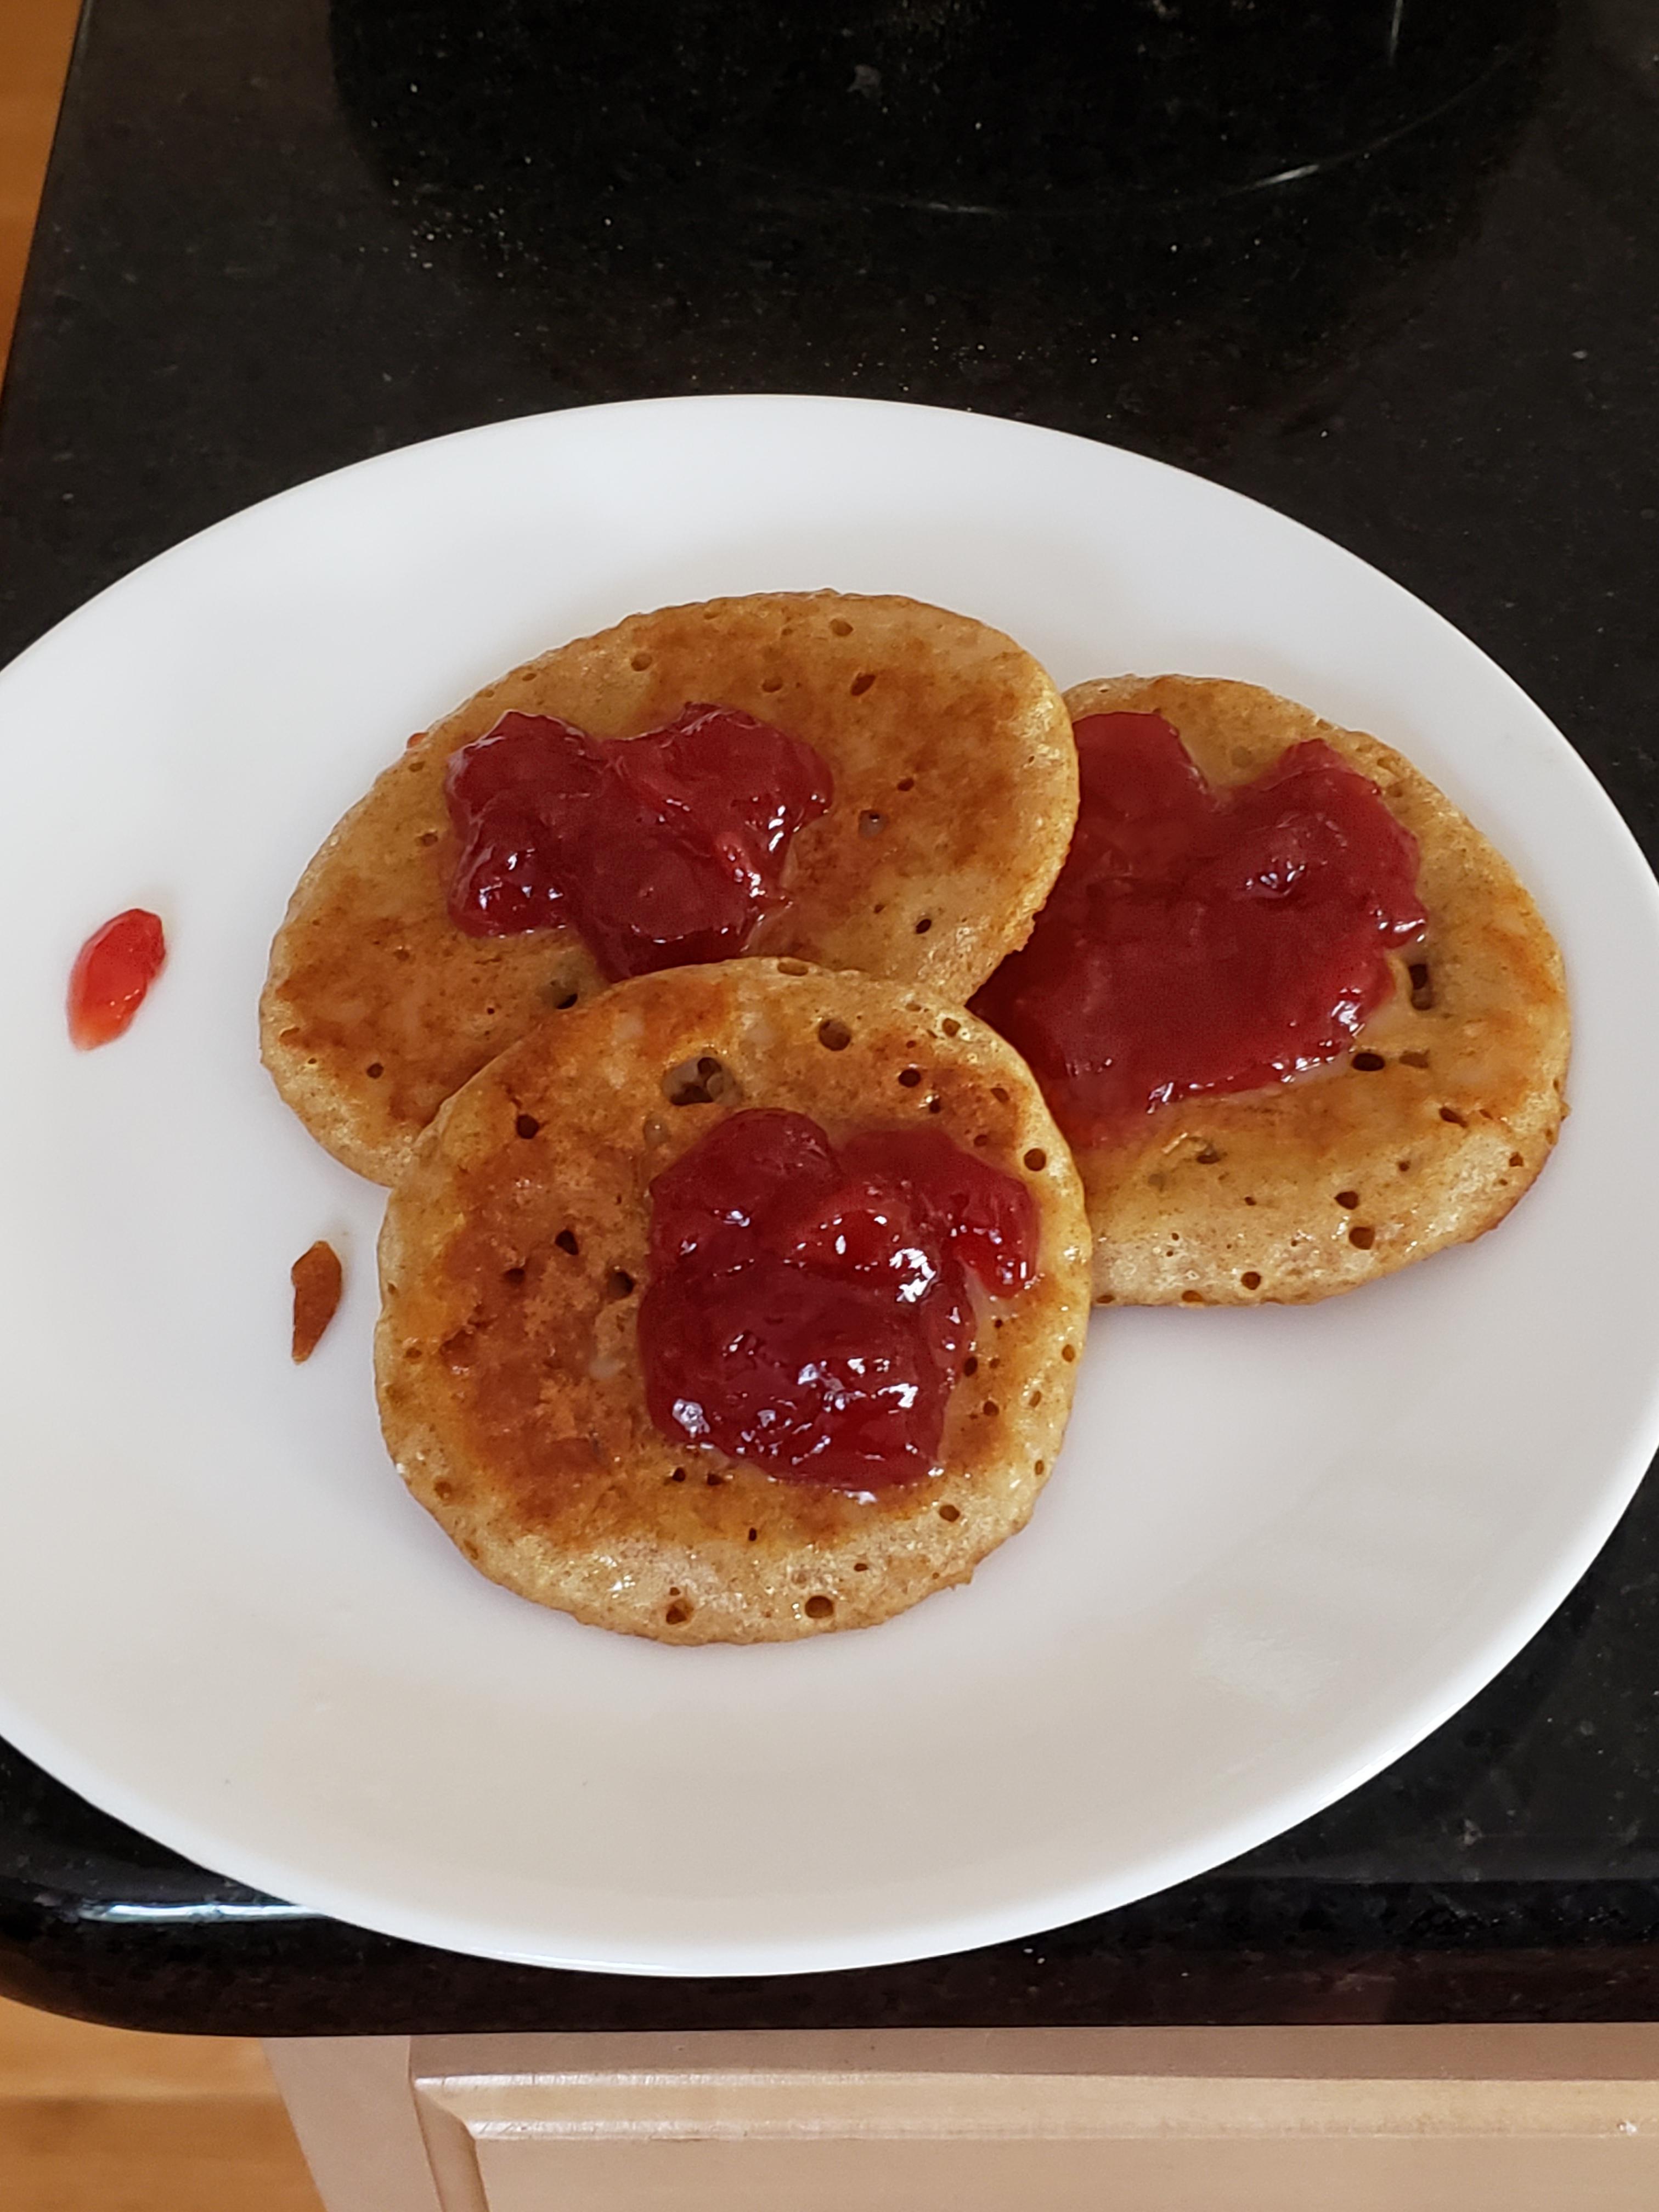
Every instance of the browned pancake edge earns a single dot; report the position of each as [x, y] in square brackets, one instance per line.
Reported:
[1424, 1135]
[955, 798]
[514, 1254]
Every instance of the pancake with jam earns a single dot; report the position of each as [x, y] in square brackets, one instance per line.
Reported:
[741, 1304]
[853, 804]
[1300, 1022]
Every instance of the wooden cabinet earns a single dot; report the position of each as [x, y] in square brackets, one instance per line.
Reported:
[1366, 2119]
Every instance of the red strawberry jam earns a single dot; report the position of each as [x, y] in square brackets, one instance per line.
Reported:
[659, 851]
[113, 972]
[809, 1309]
[1202, 939]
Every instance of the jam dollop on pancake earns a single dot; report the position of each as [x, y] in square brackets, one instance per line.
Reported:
[809, 1307]
[951, 791]
[560, 1217]
[1200, 939]
[1428, 1121]
[667, 849]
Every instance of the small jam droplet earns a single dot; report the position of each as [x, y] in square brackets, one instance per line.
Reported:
[317, 1278]
[112, 971]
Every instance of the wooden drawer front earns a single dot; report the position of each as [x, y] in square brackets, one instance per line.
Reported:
[1233, 2120]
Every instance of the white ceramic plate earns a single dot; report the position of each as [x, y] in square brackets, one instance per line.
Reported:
[1281, 1546]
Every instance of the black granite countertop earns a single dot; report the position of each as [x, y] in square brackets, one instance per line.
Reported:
[1393, 268]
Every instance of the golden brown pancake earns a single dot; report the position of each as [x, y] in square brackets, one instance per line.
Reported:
[955, 798]
[514, 1254]
[1424, 1135]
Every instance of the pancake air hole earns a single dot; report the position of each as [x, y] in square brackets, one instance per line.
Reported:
[924, 924]
[1037, 1159]
[1450, 1113]
[1349, 1199]
[527, 1125]
[773, 683]
[697, 1082]
[1367, 1062]
[1516, 1161]
[1192, 1298]
[678, 1475]
[860, 683]
[819, 1607]
[619, 1284]
[1362, 1237]
[374, 1070]
[872, 824]
[834, 1036]
[566, 1241]
[909, 1076]
[1068, 1353]
[754, 1535]
[1042, 1468]
[1413, 1060]
[640, 662]
[677, 1613]
[948, 1512]
[905, 783]
[950, 1028]
[1422, 986]
[860, 1566]
[1251, 1279]
[840, 629]
[793, 968]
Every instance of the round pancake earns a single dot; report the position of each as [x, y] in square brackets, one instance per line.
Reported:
[939, 733]
[1424, 1135]
[511, 1263]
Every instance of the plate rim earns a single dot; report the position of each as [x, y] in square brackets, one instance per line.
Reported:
[952, 1932]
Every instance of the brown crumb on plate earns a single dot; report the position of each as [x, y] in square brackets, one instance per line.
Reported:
[316, 1279]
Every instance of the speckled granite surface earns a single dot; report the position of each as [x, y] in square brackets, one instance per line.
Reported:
[1398, 278]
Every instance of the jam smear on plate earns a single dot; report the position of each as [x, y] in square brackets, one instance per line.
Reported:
[809, 1309]
[660, 851]
[112, 971]
[1203, 938]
